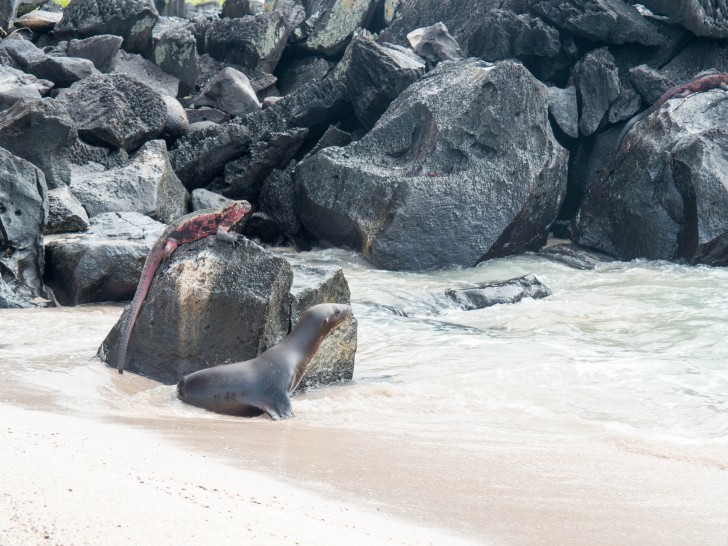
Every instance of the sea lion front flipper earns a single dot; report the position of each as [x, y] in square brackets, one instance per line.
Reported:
[280, 407]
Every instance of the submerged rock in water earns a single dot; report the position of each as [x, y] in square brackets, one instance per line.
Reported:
[576, 256]
[23, 212]
[495, 293]
[462, 167]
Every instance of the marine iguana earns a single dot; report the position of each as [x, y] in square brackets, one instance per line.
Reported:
[188, 228]
[698, 85]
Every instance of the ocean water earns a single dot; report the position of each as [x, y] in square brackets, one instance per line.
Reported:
[636, 349]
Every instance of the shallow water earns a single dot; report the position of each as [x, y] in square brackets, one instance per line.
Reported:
[634, 353]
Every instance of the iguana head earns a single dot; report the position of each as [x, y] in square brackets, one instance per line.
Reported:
[233, 212]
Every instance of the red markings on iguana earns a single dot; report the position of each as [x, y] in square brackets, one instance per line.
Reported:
[698, 85]
[186, 229]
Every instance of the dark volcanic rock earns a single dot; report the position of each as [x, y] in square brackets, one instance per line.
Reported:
[16, 85]
[65, 212]
[495, 293]
[176, 53]
[105, 262]
[133, 20]
[100, 50]
[138, 68]
[334, 361]
[23, 212]
[176, 124]
[41, 132]
[437, 182]
[237, 8]
[237, 296]
[597, 81]
[601, 21]
[171, 8]
[205, 113]
[252, 42]
[63, 71]
[665, 195]
[330, 24]
[231, 92]
[277, 199]
[508, 35]
[8, 9]
[39, 21]
[206, 199]
[564, 109]
[376, 76]
[650, 83]
[301, 72]
[703, 17]
[115, 110]
[434, 44]
[147, 185]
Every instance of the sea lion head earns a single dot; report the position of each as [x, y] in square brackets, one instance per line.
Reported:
[326, 316]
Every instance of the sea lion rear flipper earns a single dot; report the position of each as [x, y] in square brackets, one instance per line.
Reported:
[280, 408]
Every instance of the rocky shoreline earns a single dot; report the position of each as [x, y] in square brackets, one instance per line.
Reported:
[423, 134]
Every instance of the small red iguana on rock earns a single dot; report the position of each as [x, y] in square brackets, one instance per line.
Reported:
[698, 85]
[186, 229]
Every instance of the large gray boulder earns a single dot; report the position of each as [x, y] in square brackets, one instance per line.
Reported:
[136, 67]
[105, 262]
[16, 85]
[665, 194]
[114, 110]
[703, 17]
[334, 361]
[65, 213]
[376, 76]
[462, 167]
[133, 20]
[597, 82]
[100, 50]
[251, 42]
[212, 303]
[176, 53]
[230, 91]
[42, 132]
[63, 71]
[601, 21]
[330, 24]
[23, 212]
[434, 44]
[147, 184]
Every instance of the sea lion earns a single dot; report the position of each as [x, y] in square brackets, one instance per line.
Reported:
[263, 384]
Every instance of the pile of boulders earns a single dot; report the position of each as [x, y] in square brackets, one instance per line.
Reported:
[422, 133]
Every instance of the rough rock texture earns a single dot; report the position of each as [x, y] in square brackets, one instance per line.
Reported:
[495, 293]
[205, 113]
[65, 213]
[133, 20]
[252, 42]
[202, 155]
[564, 109]
[334, 361]
[231, 92]
[703, 17]
[434, 44]
[176, 53]
[212, 303]
[98, 157]
[376, 76]
[63, 71]
[330, 24]
[23, 212]
[171, 8]
[41, 132]
[114, 110]
[665, 195]
[147, 185]
[206, 199]
[302, 72]
[105, 262]
[605, 21]
[244, 177]
[508, 35]
[277, 200]
[15, 85]
[237, 8]
[100, 50]
[597, 82]
[438, 180]
[136, 67]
